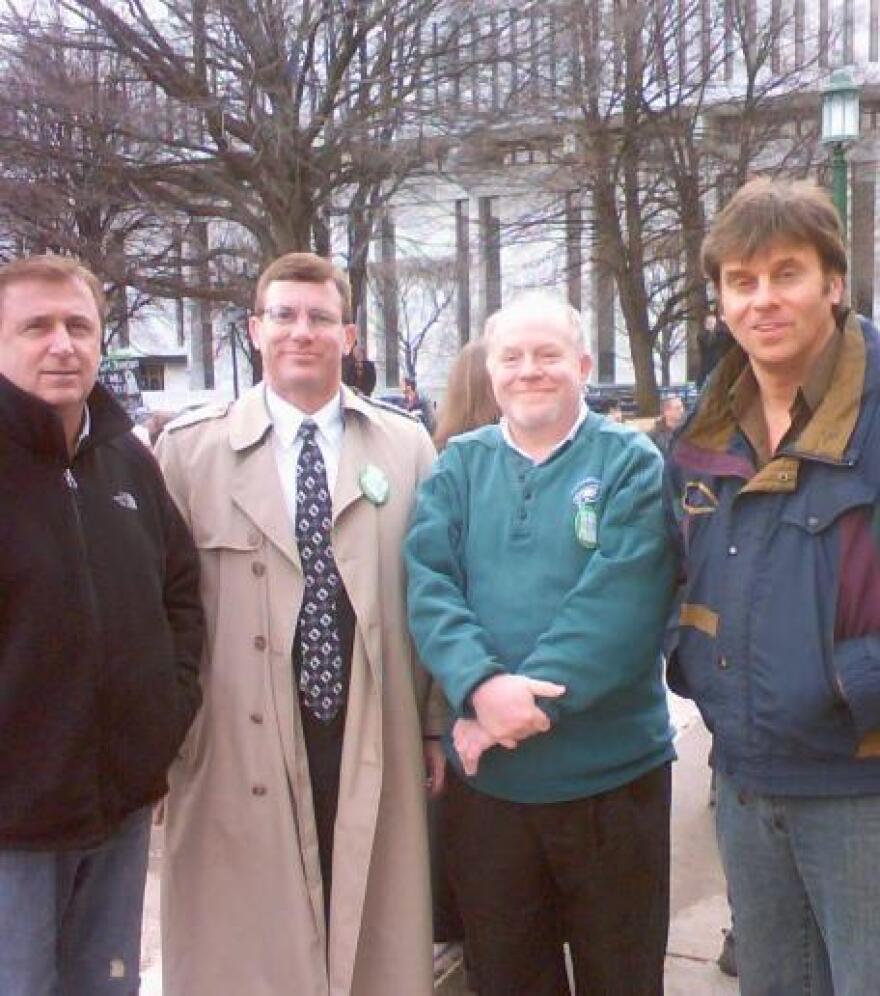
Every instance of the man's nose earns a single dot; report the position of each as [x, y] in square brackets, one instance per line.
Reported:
[529, 367]
[765, 293]
[60, 341]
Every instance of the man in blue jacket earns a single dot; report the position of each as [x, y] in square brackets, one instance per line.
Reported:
[774, 482]
[539, 581]
[100, 637]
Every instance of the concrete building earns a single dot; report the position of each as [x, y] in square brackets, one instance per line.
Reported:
[510, 193]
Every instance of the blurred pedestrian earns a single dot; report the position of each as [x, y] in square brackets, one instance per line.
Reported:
[671, 417]
[468, 402]
[417, 404]
[359, 372]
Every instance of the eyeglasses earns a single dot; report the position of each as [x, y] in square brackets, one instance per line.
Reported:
[283, 317]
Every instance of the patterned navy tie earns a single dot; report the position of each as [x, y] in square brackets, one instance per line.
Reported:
[321, 671]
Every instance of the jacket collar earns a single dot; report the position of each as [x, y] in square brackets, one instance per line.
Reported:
[250, 419]
[35, 425]
[829, 433]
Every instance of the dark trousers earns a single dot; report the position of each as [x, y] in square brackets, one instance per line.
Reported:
[593, 872]
[323, 742]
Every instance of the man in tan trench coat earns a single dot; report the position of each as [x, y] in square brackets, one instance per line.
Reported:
[244, 902]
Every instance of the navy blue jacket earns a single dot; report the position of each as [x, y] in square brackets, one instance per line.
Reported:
[778, 636]
[100, 626]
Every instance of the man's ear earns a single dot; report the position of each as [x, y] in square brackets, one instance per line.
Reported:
[254, 331]
[351, 334]
[835, 288]
[586, 363]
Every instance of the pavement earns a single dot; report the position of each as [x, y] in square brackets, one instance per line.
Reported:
[698, 901]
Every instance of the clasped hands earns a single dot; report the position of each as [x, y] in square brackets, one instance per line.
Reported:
[506, 713]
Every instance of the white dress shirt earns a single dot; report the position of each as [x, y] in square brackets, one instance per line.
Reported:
[286, 420]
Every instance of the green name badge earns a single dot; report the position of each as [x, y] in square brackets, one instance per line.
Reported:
[586, 526]
[374, 485]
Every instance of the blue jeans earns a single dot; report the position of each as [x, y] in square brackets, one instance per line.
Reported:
[70, 921]
[804, 881]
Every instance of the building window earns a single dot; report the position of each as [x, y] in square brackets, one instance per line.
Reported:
[152, 376]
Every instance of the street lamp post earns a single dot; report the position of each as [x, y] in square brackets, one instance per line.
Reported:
[840, 125]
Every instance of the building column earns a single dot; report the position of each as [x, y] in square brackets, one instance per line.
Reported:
[573, 250]
[864, 238]
[388, 298]
[604, 350]
[490, 259]
[463, 269]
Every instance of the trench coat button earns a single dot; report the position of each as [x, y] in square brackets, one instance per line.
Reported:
[256, 717]
[258, 568]
[259, 642]
[253, 538]
[258, 790]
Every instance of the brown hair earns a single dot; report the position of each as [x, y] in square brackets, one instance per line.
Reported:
[54, 269]
[309, 268]
[469, 401]
[765, 210]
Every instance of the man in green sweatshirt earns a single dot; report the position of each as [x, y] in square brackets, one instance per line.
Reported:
[539, 582]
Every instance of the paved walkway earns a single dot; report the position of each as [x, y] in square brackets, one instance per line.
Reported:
[699, 907]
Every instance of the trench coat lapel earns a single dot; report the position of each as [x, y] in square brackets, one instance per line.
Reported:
[254, 486]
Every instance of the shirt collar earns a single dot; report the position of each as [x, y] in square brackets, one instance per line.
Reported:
[744, 391]
[287, 419]
[85, 428]
[572, 432]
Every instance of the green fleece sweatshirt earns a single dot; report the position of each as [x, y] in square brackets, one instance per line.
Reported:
[560, 570]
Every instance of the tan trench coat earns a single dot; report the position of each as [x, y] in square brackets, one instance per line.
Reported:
[242, 905]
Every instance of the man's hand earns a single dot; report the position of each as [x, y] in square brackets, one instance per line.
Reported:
[472, 741]
[506, 708]
[435, 767]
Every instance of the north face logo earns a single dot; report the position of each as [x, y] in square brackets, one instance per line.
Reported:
[126, 500]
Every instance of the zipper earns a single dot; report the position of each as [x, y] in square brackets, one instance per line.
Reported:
[73, 489]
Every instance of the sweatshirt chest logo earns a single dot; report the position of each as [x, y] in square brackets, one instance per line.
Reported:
[586, 519]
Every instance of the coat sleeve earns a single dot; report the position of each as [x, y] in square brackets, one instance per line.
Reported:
[182, 598]
[448, 637]
[608, 632]
[433, 708]
[856, 660]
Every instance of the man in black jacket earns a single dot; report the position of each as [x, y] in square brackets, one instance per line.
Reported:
[100, 639]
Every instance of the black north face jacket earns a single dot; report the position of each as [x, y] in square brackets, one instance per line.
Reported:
[100, 626]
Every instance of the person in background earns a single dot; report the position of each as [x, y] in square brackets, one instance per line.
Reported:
[614, 412]
[418, 405]
[469, 402]
[539, 581]
[359, 372]
[774, 487]
[101, 632]
[671, 417]
[713, 342]
[296, 844]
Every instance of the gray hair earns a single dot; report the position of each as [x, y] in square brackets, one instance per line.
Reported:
[539, 303]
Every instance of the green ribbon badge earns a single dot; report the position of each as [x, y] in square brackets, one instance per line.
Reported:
[374, 485]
